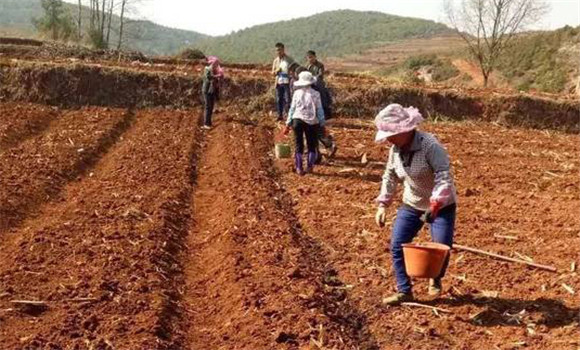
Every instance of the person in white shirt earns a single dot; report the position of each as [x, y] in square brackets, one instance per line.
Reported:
[306, 116]
[281, 72]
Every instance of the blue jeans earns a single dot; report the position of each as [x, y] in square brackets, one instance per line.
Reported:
[407, 225]
[282, 99]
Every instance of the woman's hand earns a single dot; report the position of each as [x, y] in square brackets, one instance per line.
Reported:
[287, 130]
[381, 217]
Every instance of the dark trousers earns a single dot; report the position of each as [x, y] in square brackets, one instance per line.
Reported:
[406, 226]
[209, 101]
[325, 99]
[302, 129]
[282, 99]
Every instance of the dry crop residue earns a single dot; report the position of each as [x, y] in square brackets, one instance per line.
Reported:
[514, 183]
[102, 258]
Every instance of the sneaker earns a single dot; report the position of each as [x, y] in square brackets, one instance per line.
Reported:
[333, 149]
[206, 127]
[398, 298]
[435, 287]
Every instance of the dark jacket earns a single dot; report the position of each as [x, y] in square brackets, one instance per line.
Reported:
[317, 70]
[210, 82]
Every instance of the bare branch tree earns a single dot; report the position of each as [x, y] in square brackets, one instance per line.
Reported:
[111, 6]
[121, 24]
[127, 7]
[80, 21]
[489, 26]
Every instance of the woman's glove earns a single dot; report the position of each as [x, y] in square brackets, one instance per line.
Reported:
[432, 213]
[381, 217]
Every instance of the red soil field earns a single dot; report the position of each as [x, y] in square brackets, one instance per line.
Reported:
[133, 228]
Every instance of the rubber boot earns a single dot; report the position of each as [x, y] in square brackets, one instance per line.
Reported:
[298, 163]
[311, 161]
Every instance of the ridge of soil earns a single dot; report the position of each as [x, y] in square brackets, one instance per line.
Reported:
[21, 121]
[35, 171]
[254, 280]
[103, 257]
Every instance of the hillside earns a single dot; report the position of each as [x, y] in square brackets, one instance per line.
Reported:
[544, 61]
[145, 36]
[536, 61]
[331, 33]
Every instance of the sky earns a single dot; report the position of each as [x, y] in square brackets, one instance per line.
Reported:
[220, 17]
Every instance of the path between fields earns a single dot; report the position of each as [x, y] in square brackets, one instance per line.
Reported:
[254, 280]
[470, 69]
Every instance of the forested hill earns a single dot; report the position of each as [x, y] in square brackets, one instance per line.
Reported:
[331, 33]
[16, 20]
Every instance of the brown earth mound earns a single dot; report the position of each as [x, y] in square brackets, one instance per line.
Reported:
[82, 84]
[78, 85]
[20, 41]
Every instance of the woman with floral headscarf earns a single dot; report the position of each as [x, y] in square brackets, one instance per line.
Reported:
[419, 161]
[212, 74]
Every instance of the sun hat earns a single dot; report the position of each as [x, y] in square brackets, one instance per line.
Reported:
[219, 71]
[395, 119]
[305, 79]
[212, 59]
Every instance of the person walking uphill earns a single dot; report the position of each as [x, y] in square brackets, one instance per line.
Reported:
[281, 71]
[212, 74]
[306, 116]
[421, 163]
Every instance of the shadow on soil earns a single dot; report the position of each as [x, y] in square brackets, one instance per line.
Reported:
[330, 296]
[551, 313]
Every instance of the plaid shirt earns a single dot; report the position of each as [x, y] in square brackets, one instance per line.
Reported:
[425, 172]
[281, 67]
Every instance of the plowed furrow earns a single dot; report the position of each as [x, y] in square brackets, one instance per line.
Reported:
[254, 280]
[36, 171]
[104, 257]
[19, 122]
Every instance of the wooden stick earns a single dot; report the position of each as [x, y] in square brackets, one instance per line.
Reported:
[28, 302]
[427, 307]
[502, 257]
[82, 300]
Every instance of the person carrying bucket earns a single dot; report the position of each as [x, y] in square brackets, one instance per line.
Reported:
[419, 161]
[306, 116]
[212, 74]
[281, 71]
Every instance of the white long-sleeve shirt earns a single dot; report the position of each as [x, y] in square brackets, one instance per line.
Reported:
[306, 106]
[425, 172]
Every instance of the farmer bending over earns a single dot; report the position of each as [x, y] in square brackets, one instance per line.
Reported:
[306, 116]
[316, 67]
[210, 88]
[281, 70]
[421, 163]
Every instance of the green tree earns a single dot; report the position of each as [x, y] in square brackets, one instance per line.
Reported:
[56, 22]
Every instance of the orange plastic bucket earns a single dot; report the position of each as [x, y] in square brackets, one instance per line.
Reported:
[424, 260]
